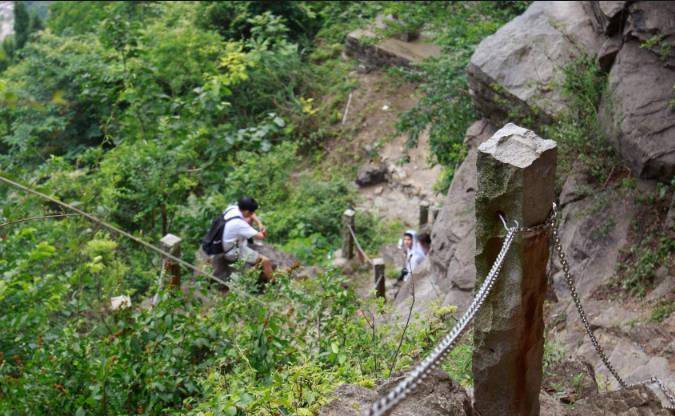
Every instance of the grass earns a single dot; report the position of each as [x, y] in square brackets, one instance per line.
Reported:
[662, 311]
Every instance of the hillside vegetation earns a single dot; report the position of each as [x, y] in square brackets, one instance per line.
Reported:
[154, 116]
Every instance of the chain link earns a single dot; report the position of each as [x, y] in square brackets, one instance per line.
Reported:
[569, 280]
[665, 390]
[447, 344]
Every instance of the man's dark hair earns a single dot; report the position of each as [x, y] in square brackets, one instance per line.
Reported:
[407, 235]
[424, 239]
[247, 203]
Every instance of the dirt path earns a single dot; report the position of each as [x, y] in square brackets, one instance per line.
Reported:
[369, 135]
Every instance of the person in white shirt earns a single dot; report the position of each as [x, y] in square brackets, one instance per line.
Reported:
[236, 233]
[414, 254]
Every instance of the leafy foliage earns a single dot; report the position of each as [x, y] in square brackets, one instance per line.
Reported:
[155, 116]
[578, 132]
[446, 107]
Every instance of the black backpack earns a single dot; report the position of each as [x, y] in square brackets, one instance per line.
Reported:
[212, 243]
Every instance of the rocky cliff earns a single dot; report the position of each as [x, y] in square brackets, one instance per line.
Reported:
[519, 69]
[517, 73]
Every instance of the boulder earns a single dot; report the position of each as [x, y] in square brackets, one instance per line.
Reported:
[626, 402]
[594, 228]
[652, 24]
[436, 395]
[608, 51]
[607, 17]
[280, 259]
[517, 69]
[637, 112]
[453, 240]
[371, 174]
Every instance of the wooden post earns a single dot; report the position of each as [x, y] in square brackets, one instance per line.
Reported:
[424, 214]
[378, 274]
[516, 177]
[171, 244]
[347, 239]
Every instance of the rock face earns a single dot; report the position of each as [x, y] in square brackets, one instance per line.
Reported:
[607, 17]
[518, 68]
[516, 178]
[652, 24]
[627, 402]
[594, 231]
[453, 239]
[575, 378]
[637, 112]
[437, 395]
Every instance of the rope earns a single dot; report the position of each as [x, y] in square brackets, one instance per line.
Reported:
[128, 235]
[358, 246]
[363, 253]
[44, 217]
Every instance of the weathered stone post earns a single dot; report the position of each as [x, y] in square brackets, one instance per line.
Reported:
[171, 244]
[516, 173]
[378, 275]
[424, 214]
[347, 239]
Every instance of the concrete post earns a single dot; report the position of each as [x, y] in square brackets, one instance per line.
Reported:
[378, 275]
[516, 174]
[171, 244]
[347, 239]
[424, 214]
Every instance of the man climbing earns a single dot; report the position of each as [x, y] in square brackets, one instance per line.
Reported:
[236, 231]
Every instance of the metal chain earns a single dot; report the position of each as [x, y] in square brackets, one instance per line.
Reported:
[569, 280]
[406, 386]
[665, 390]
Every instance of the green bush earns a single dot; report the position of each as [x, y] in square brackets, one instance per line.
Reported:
[446, 106]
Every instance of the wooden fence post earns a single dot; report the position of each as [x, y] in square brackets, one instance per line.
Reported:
[424, 214]
[347, 239]
[171, 244]
[378, 275]
[516, 177]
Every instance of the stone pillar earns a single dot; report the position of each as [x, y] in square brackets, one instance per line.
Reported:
[171, 244]
[516, 177]
[424, 214]
[347, 239]
[378, 276]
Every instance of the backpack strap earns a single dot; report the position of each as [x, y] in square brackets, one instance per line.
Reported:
[226, 220]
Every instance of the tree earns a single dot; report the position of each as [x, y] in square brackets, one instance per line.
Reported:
[21, 24]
